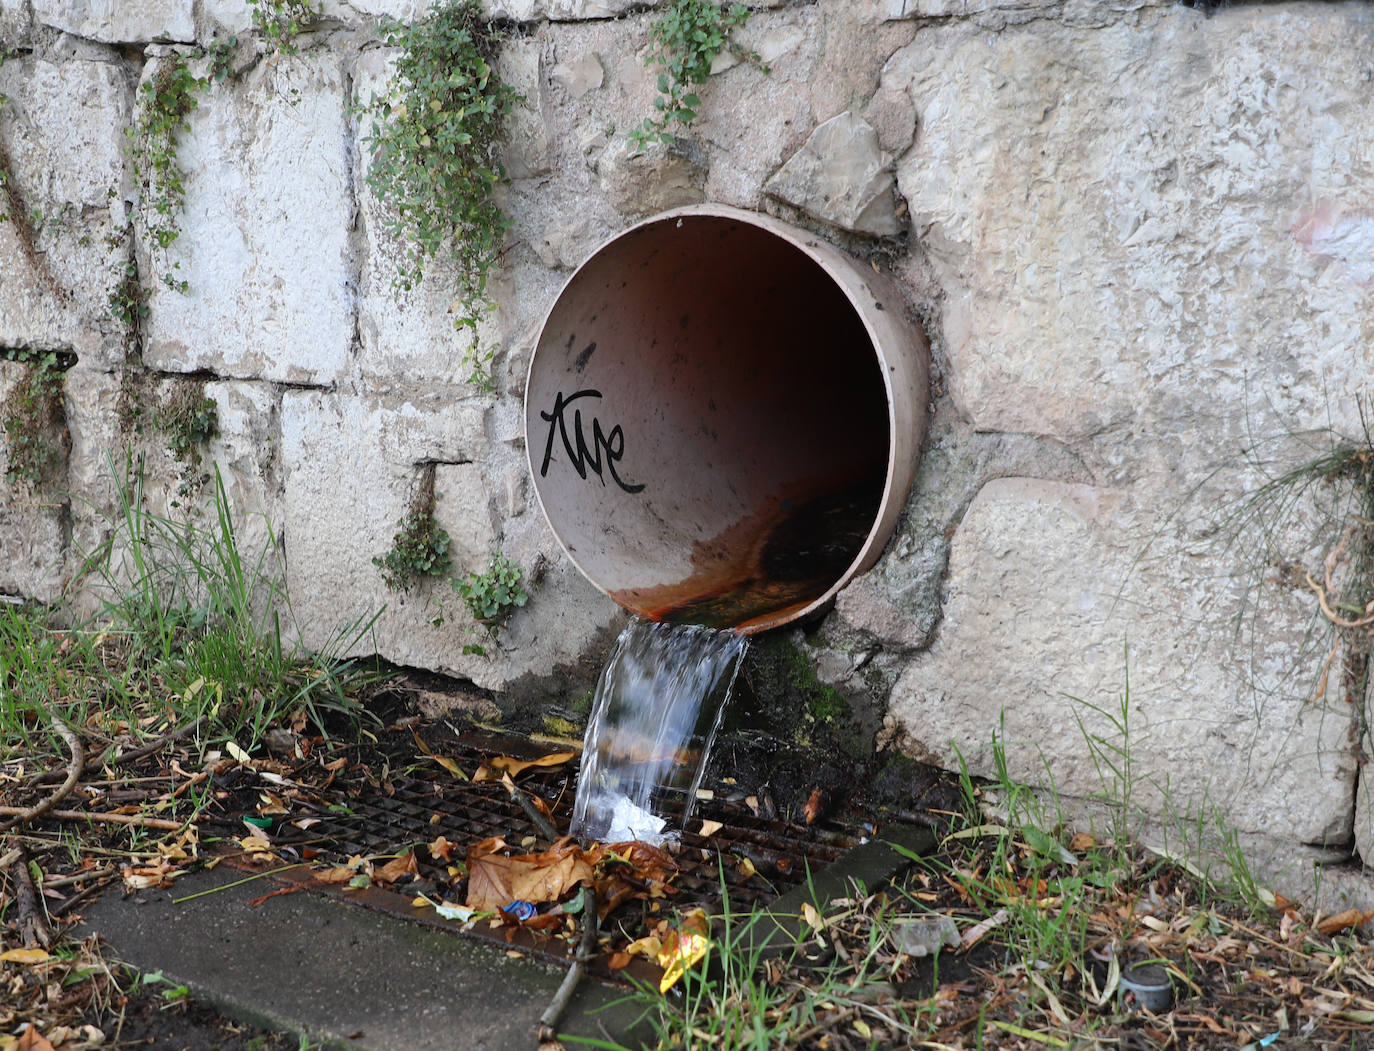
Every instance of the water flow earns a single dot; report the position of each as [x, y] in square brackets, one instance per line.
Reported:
[658, 705]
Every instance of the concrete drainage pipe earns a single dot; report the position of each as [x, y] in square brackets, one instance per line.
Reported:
[723, 417]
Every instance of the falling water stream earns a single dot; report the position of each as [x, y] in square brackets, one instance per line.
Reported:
[658, 705]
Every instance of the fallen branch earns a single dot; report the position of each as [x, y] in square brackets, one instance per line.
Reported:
[81, 895]
[587, 951]
[541, 822]
[74, 770]
[125, 758]
[80, 877]
[109, 819]
[33, 928]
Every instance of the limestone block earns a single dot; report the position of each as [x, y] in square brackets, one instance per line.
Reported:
[351, 465]
[892, 115]
[1117, 246]
[61, 143]
[642, 181]
[841, 176]
[568, 240]
[265, 231]
[580, 74]
[119, 21]
[850, 52]
[527, 140]
[1015, 10]
[106, 458]
[1048, 610]
[461, 503]
[16, 20]
[558, 10]
[1364, 788]
[236, 16]
[900, 613]
[31, 548]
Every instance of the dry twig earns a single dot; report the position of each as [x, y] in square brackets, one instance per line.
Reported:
[587, 951]
[74, 770]
[131, 756]
[110, 819]
[33, 928]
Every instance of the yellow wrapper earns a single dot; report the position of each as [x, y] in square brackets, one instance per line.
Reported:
[679, 954]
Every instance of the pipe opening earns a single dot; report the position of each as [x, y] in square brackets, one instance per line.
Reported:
[710, 420]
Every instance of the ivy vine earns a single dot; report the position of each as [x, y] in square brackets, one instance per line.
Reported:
[281, 21]
[686, 40]
[434, 164]
[166, 100]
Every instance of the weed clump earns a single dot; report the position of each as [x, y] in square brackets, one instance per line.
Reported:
[495, 593]
[188, 419]
[420, 547]
[35, 419]
[281, 21]
[686, 40]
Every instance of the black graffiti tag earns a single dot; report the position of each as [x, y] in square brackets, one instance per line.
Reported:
[581, 457]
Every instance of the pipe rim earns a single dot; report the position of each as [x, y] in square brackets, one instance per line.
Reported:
[826, 256]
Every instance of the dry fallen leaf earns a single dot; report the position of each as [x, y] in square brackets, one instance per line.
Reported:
[441, 848]
[1344, 921]
[338, 874]
[396, 868]
[32, 1040]
[451, 765]
[495, 880]
[24, 956]
[812, 809]
[492, 769]
[710, 828]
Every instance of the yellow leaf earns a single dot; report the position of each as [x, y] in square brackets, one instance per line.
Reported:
[514, 767]
[811, 916]
[861, 1027]
[677, 955]
[25, 956]
[255, 845]
[710, 828]
[231, 746]
[451, 765]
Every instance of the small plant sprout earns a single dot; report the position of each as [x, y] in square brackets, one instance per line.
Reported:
[188, 420]
[686, 40]
[420, 547]
[495, 593]
[434, 166]
[281, 21]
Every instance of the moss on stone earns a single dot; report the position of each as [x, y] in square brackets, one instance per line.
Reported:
[783, 697]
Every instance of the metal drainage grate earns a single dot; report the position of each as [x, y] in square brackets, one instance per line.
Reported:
[371, 820]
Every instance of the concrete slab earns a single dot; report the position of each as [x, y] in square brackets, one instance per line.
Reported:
[341, 975]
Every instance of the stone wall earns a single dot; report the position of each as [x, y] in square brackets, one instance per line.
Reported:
[1141, 240]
